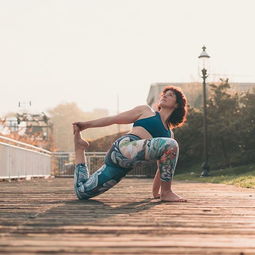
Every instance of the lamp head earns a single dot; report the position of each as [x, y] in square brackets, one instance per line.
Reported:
[204, 60]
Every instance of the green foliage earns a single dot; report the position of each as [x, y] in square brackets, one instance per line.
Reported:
[246, 126]
[231, 130]
[223, 110]
[190, 139]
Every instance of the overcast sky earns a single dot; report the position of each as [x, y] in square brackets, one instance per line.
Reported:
[88, 52]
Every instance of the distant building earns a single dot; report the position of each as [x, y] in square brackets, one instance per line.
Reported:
[31, 125]
[8, 125]
[192, 90]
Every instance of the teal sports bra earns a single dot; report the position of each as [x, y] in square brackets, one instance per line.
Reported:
[154, 126]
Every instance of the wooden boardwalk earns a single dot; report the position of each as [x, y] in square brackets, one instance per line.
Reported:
[44, 217]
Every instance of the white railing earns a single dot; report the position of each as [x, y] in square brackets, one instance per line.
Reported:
[23, 160]
[64, 164]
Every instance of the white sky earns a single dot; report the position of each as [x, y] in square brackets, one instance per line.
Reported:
[56, 51]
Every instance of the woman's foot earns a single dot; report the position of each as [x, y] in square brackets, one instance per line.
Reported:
[156, 195]
[170, 196]
[79, 143]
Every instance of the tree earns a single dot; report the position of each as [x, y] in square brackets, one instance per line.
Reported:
[246, 127]
[190, 139]
[222, 118]
[231, 129]
[62, 117]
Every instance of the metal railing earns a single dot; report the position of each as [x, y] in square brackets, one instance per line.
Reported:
[64, 164]
[21, 160]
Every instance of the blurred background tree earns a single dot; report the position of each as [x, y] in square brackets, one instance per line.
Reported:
[62, 117]
[231, 129]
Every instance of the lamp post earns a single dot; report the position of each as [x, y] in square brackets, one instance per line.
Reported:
[204, 59]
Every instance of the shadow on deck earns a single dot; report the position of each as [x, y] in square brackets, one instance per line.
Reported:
[44, 216]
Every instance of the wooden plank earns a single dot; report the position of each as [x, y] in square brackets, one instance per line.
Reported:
[43, 216]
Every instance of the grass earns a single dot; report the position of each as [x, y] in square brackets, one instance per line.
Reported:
[242, 176]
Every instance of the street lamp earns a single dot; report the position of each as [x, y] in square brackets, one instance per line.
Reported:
[204, 59]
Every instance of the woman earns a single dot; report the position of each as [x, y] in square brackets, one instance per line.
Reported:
[149, 139]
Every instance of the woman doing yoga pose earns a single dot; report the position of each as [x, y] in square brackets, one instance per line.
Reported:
[149, 139]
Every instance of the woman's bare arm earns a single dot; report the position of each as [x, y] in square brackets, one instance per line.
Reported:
[156, 184]
[121, 118]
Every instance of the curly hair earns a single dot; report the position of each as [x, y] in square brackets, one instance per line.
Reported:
[179, 115]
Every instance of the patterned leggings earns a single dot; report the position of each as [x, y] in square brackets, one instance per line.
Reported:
[121, 158]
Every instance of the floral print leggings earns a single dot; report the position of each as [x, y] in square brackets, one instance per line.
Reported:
[121, 158]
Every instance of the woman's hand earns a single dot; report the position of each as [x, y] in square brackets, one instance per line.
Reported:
[81, 125]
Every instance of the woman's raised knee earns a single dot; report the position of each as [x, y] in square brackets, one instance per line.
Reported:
[171, 148]
[170, 142]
